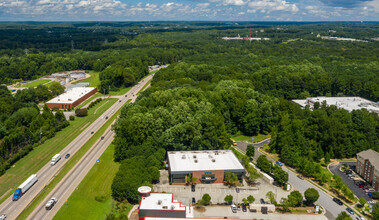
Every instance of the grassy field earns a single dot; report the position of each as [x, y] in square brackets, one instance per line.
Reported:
[67, 167]
[90, 99]
[82, 204]
[36, 83]
[258, 138]
[93, 80]
[41, 155]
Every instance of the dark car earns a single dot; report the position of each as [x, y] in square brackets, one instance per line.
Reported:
[300, 177]
[193, 201]
[67, 156]
[119, 100]
[126, 95]
[92, 132]
[102, 137]
[262, 201]
[106, 117]
[244, 209]
[237, 189]
[193, 188]
[350, 211]
[348, 171]
[339, 202]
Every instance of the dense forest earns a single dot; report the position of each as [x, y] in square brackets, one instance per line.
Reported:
[213, 88]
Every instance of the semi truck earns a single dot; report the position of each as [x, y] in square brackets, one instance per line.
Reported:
[24, 187]
[55, 159]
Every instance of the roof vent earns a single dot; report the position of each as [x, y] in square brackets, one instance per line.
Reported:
[183, 156]
[194, 156]
[210, 156]
[58, 99]
[164, 207]
[69, 100]
[172, 207]
[159, 202]
[195, 161]
[213, 160]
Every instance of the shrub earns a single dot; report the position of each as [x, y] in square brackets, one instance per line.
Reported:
[72, 117]
[81, 112]
[54, 108]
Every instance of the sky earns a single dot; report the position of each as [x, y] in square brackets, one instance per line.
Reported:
[189, 10]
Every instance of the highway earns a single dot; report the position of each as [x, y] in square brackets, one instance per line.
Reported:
[325, 200]
[13, 208]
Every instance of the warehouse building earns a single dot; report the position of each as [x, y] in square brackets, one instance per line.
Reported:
[72, 97]
[207, 166]
[347, 103]
[161, 205]
[368, 167]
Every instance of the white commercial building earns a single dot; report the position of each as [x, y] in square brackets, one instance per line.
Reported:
[348, 103]
[208, 166]
[72, 97]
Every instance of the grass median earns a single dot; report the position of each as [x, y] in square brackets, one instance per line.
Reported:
[42, 154]
[67, 167]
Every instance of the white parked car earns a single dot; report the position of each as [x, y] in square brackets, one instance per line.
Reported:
[3, 216]
[234, 208]
[51, 203]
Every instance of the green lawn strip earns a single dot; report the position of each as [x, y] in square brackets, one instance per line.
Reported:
[120, 91]
[42, 154]
[36, 83]
[239, 154]
[68, 166]
[90, 99]
[257, 138]
[144, 87]
[94, 79]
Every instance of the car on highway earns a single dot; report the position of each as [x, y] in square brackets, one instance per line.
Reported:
[338, 201]
[67, 156]
[244, 208]
[49, 205]
[300, 177]
[126, 95]
[360, 218]
[193, 189]
[92, 132]
[193, 201]
[119, 100]
[350, 211]
[102, 137]
[3, 216]
[106, 117]
[262, 201]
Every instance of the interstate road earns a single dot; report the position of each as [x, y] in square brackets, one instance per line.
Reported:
[13, 208]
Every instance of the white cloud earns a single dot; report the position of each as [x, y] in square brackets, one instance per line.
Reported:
[271, 5]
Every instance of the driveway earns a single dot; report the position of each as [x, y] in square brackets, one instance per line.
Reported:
[360, 193]
[243, 146]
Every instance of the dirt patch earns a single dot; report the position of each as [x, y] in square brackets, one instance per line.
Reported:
[200, 208]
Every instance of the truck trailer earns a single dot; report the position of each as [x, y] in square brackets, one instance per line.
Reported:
[55, 159]
[24, 187]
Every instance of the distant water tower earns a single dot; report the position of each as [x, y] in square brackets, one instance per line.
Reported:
[144, 191]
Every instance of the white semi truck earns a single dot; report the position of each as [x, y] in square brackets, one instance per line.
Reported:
[55, 159]
[24, 187]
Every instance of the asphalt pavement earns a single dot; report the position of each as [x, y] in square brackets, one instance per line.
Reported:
[360, 193]
[325, 200]
[13, 208]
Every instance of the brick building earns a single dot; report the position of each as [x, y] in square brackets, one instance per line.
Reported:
[368, 167]
[207, 166]
[72, 97]
[161, 205]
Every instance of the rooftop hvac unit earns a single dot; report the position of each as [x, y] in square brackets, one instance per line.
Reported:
[183, 156]
[159, 202]
[195, 161]
[164, 207]
[172, 207]
[58, 99]
[194, 156]
[69, 99]
[213, 160]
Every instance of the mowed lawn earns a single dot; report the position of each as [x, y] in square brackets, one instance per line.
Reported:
[82, 204]
[42, 154]
[257, 138]
[36, 83]
[94, 80]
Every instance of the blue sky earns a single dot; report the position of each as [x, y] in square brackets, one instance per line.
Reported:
[207, 10]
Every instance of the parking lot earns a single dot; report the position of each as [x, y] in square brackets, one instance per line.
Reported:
[218, 192]
[359, 192]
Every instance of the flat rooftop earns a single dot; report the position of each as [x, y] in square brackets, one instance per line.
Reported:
[160, 201]
[72, 95]
[188, 161]
[348, 103]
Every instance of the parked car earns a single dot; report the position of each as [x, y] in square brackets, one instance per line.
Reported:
[338, 201]
[360, 218]
[262, 201]
[350, 211]
[3, 216]
[51, 203]
[67, 156]
[244, 208]
[193, 188]
[119, 100]
[348, 172]
[193, 201]
[279, 163]
[300, 177]
[234, 208]
[237, 189]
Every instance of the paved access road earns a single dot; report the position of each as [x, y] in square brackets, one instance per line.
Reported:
[325, 200]
[13, 208]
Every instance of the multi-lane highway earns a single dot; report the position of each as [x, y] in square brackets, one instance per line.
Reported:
[13, 208]
[325, 200]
